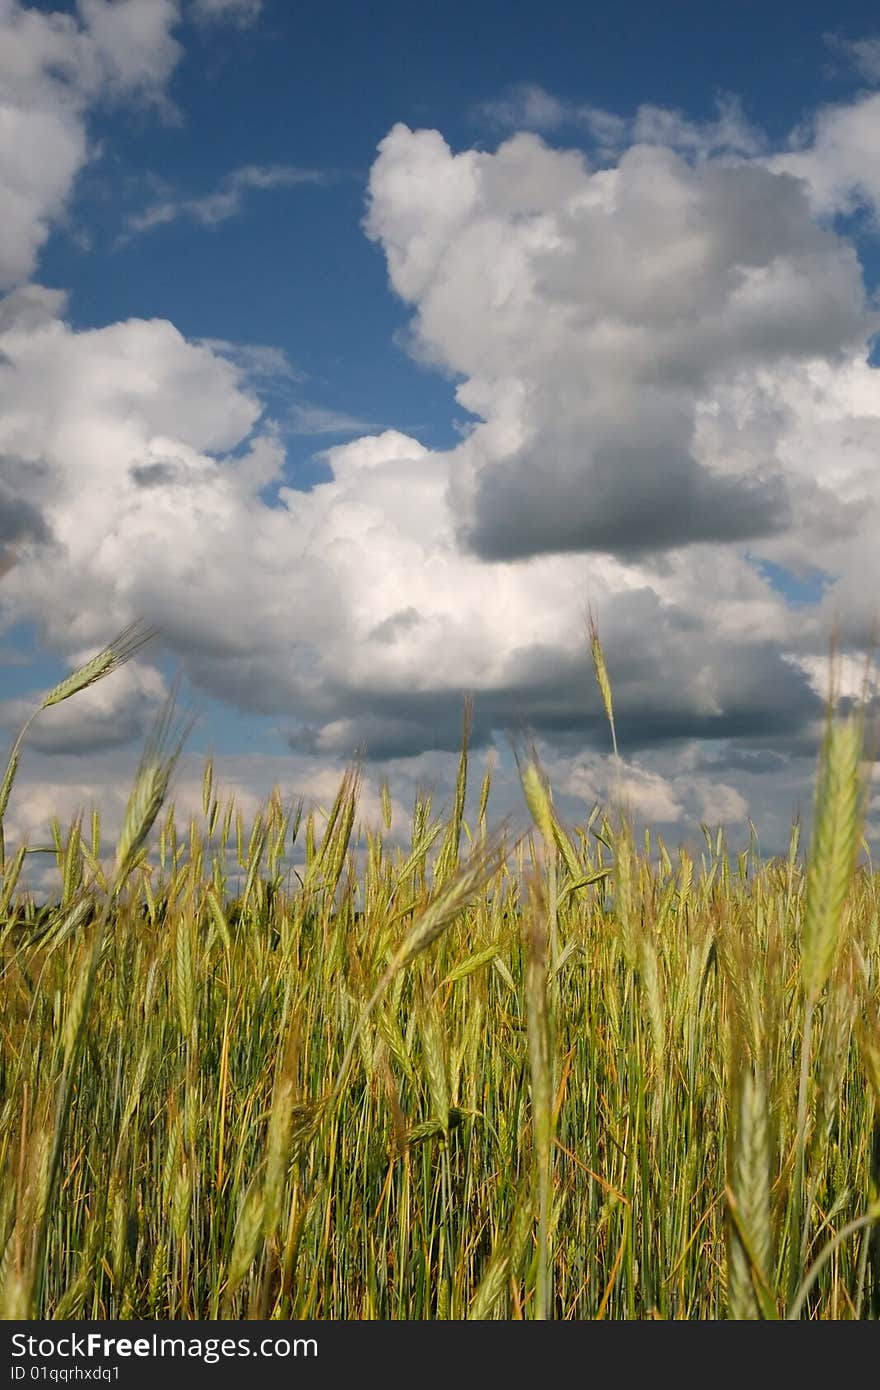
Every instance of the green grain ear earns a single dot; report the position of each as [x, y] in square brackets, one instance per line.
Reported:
[114, 655]
[601, 672]
[836, 834]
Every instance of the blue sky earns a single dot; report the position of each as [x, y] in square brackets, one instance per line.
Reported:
[318, 87]
[634, 374]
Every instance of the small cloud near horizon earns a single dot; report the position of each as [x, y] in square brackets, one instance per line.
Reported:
[317, 419]
[861, 54]
[240, 12]
[225, 201]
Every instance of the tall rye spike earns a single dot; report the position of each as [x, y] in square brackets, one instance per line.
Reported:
[8, 780]
[151, 786]
[836, 833]
[120, 650]
[386, 804]
[448, 858]
[208, 785]
[601, 674]
[114, 655]
[750, 1237]
[537, 794]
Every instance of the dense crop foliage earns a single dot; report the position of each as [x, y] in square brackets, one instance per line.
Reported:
[570, 1076]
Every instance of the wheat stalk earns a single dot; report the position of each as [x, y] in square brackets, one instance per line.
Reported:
[542, 1089]
[750, 1242]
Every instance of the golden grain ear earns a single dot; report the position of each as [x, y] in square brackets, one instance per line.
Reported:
[601, 671]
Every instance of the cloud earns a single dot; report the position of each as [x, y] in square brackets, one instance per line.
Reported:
[19, 520]
[862, 54]
[527, 106]
[241, 12]
[318, 419]
[80, 411]
[226, 201]
[351, 609]
[267, 369]
[127, 46]
[729, 134]
[596, 320]
[837, 156]
[257, 362]
[17, 517]
[666, 366]
[53, 67]
[645, 793]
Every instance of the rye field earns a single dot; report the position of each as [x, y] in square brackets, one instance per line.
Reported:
[463, 1073]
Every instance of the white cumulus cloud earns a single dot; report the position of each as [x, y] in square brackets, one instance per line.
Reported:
[666, 365]
[52, 68]
[597, 318]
